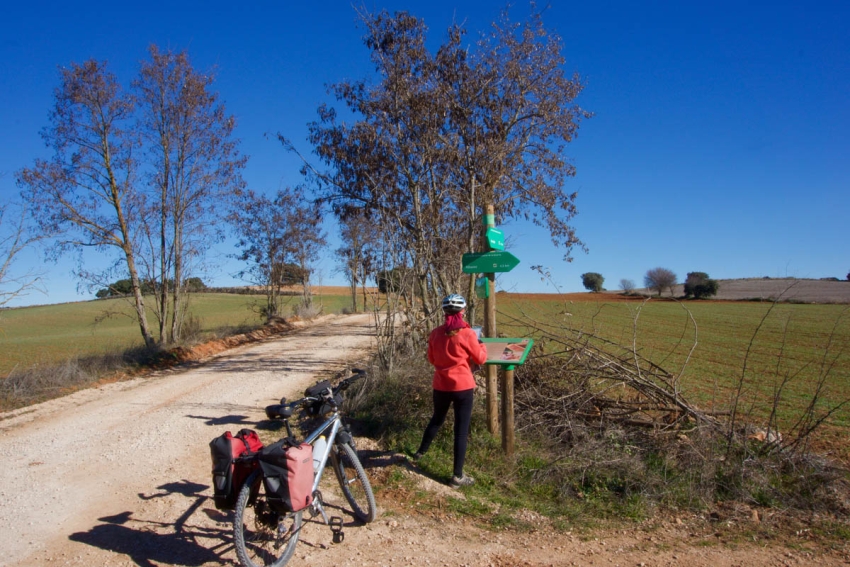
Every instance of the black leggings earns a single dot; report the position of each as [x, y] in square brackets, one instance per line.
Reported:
[463, 416]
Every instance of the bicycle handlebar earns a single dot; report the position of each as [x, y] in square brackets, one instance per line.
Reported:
[326, 393]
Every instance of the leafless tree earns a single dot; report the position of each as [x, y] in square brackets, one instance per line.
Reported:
[278, 239]
[442, 135]
[305, 241]
[627, 286]
[15, 237]
[659, 279]
[87, 193]
[195, 165]
[357, 253]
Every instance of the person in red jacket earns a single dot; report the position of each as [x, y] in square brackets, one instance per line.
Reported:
[453, 349]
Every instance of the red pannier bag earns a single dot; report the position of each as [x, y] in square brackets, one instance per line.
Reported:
[234, 457]
[288, 474]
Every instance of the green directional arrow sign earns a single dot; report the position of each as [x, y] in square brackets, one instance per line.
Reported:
[496, 238]
[489, 262]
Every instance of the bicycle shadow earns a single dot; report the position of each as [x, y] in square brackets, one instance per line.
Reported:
[149, 543]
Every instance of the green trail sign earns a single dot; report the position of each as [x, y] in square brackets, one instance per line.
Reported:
[496, 238]
[488, 262]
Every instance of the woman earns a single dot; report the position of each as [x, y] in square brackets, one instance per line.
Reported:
[453, 348]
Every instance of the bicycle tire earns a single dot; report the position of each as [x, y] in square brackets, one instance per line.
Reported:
[261, 536]
[354, 482]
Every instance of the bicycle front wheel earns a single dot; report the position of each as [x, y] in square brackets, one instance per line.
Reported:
[354, 482]
[262, 536]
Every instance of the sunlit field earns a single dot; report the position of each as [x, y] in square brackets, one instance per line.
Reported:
[53, 333]
[718, 350]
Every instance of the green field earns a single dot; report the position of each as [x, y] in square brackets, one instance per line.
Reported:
[48, 334]
[801, 344]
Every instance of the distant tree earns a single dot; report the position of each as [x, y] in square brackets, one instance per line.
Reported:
[592, 281]
[194, 284]
[391, 281]
[279, 238]
[659, 279]
[305, 240]
[359, 237]
[699, 286]
[260, 227]
[627, 286]
[848, 276]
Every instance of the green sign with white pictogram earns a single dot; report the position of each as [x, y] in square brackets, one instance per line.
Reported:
[496, 238]
[489, 262]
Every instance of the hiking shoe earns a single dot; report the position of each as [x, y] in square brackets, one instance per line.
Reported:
[416, 456]
[465, 480]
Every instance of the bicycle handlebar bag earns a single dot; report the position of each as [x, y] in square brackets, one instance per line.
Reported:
[288, 475]
[234, 457]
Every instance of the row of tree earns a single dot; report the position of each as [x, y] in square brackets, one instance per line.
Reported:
[697, 284]
[138, 171]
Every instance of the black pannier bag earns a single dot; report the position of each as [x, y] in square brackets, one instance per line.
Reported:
[234, 457]
[288, 475]
[322, 406]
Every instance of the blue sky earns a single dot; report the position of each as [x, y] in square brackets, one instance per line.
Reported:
[720, 141]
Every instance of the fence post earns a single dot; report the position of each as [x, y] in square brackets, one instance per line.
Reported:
[508, 410]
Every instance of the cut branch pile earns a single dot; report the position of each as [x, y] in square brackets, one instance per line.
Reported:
[584, 384]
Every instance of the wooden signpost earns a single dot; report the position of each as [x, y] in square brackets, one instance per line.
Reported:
[507, 353]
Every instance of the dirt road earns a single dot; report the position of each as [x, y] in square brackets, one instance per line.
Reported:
[119, 475]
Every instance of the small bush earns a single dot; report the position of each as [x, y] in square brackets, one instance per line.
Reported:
[699, 286]
[592, 281]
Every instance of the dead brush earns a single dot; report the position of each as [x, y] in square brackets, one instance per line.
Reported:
[616, 425]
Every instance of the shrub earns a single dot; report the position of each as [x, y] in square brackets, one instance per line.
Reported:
[699, 286]
[628, 286]
[659, 279]
[592, 281]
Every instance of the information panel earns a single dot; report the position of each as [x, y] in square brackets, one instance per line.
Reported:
[507, 352]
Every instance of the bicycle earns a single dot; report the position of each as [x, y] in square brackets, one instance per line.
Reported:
[264, 537]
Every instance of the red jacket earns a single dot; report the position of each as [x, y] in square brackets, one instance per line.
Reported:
[452, 358]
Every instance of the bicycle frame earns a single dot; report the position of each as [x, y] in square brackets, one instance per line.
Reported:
[335, 424]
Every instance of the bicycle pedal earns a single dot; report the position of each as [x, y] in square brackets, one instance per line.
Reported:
[336, 528]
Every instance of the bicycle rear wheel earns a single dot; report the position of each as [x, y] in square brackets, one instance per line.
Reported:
[262, 536]
[354, 482]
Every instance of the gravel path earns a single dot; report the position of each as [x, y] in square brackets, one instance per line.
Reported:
[110, 476]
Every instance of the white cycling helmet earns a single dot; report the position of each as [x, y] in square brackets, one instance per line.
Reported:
[454, 303]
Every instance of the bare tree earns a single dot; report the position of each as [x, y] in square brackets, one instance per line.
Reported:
[659, 279]
[87, 193]
[440, 136]
[260, 225]
[627, 286]
[15, 237]
[279, 238]
[357, 253]
[305, 240]
[195, 166]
